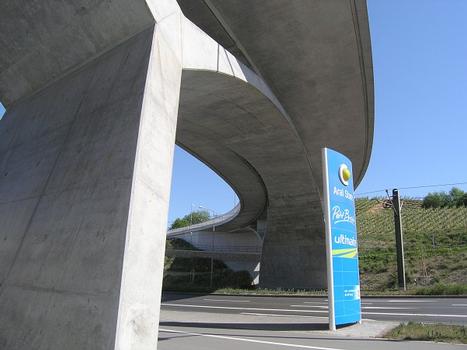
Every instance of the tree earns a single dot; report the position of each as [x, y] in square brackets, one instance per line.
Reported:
[445, 199]
[436, 200]
[464, 200]
[457, 196]
[195, 217]
[180, 222]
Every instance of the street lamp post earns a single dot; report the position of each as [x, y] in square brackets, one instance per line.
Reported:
[191, 238]
[191, 223]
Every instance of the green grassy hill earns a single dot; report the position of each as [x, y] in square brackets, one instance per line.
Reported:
[435, 252]
[435, 244]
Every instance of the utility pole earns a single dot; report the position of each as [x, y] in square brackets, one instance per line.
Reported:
[396, 205]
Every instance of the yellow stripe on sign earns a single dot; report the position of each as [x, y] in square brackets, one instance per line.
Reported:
[345, 253]
[349, 255]
[342, 251]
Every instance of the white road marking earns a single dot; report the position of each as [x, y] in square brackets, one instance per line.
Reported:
[280, 315]
[363, 307]
[412, 301]
[364, 303]
[230, 301]
[240, 308]
[403, 314]
[314, 302]
[306, 311]
[316, 306]
[288, 345]
[458, 304]
[388, 308]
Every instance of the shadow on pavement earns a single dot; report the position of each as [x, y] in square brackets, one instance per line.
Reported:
[251, 326]
[171, 296]
[270, 336]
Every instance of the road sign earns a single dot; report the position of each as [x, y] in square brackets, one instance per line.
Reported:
[341, 240]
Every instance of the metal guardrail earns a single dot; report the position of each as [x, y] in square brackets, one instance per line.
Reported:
[216, 221]
[222, 249]
[225, 255]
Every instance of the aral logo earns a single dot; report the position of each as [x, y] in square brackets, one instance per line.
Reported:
[344, 174]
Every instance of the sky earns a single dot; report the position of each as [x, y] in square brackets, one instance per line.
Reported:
[419, 50]
[420, 73]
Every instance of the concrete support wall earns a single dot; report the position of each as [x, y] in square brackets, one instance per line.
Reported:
[85, 169]
[294, 253]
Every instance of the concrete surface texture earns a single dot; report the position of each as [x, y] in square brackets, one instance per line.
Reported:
[315, 56]
[94, 91]
[86, 166]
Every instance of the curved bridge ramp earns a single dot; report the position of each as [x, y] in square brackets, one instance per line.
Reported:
[98, 92]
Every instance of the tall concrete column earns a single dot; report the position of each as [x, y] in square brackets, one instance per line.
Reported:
[85, 169]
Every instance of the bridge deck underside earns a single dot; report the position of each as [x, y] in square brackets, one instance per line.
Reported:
[246, 138]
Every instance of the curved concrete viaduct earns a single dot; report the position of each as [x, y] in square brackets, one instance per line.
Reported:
[97, 93]
[321, 71]
[234, 126]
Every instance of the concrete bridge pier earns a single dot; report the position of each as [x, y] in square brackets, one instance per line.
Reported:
[294, 254]
[85, 179]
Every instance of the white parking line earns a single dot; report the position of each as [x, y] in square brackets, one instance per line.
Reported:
[230, 301]
[288, 345]
[458, 304]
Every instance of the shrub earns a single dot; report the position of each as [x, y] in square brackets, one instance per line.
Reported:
[443, 289]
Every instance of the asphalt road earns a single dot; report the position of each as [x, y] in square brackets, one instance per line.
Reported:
[236, 322]
[446, 310]
[192, 339]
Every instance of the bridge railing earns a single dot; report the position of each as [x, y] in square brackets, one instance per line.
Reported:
[216, 221]
[221, 248]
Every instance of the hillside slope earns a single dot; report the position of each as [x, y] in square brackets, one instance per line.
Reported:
[435, 244]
